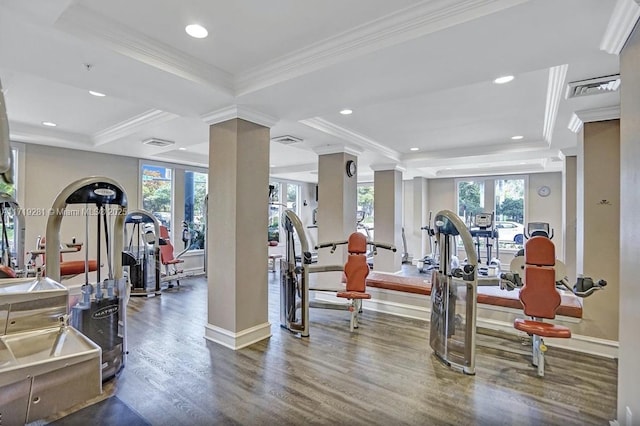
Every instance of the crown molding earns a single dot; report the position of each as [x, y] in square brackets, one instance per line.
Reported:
[423, 18]
[537, 167]
[239, 111]
[383, 167]
[337, 148]
[590, 115]
[30, 133]
[623, 19]
[557, 76]
[352, 137]
[569, 152]
[131, 126]
[296, 168]
[83, 22]
[490, 150]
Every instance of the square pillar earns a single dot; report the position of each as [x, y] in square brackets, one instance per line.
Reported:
[598, 222]
[419, 242]
[387, 208]
[569, 188]
[237, 233]
[337, 204]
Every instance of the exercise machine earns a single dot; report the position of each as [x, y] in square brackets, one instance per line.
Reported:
[583, 287]
[454, 296]
[12, 263]
[141, 256]
[483, 231]
[295, 268]
[539, 295]
[430, 261]
[101, 313]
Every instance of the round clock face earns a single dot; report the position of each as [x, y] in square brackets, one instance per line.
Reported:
[351, 168]
[544, 191]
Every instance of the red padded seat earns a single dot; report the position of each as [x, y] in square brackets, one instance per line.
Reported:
[76, 267]
[543, 329]
[353, 295]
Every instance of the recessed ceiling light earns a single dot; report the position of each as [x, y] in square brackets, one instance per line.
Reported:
[522, 164]
[346, 111]
[196, 31]
[49, 124]
[98, 94]
[503, 79]
[182, 148]
[517, 138]
[447, 168]
[414, 149]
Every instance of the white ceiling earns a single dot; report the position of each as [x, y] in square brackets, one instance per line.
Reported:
[416, 73]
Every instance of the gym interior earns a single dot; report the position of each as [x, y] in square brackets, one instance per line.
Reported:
[409, 212]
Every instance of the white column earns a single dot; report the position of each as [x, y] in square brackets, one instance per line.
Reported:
[569, 185]
[387, 208]
[337, 202]
[237, 233]
[420, 218]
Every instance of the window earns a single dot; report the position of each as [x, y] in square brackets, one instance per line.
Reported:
[278, 203]
[508, 195]
[470, 199]
[8, 219]
[195, 189]
[157, 191]
[509, 208]
[365, 216]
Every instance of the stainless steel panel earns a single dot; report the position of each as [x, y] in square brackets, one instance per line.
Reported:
[63, 388]
[14, 402]
[36, 314]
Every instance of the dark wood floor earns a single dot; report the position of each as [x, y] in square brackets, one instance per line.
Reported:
[384, 373]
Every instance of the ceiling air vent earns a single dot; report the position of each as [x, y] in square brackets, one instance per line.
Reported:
[158, 142]
[287, 139]
[593, 86]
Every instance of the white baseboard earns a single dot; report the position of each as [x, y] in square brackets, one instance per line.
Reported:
[579, 343]
[239, 340]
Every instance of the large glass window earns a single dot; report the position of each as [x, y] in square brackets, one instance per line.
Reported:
[195, 190]
[509, 207]
[470, 199]
[282, 195]
[365, 217]
[8, 218]
[157, 190]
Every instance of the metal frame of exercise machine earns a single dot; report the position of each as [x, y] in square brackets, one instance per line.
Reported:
[142, 259]
[454, 296]
[101, 313]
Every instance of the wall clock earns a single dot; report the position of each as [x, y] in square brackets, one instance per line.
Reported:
[544, 191]
[351, 168]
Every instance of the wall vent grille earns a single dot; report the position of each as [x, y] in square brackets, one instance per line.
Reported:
[158, 142]
[594, 86]
[287, 139]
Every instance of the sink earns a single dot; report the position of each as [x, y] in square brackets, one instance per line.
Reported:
[47, 371]
[47, 345]
[31, 303]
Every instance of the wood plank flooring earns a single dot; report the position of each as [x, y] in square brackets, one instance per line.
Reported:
[384, 373]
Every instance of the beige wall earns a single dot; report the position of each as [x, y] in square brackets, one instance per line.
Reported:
[546, 209]
[598, 228]
[569, 194]
[629, 302]
[48, 170]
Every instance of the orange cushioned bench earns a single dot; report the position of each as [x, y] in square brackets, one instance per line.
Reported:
[487, 295]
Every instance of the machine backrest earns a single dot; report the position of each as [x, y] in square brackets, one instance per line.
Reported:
[539, 295]
[356, 269]
[166, 250]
